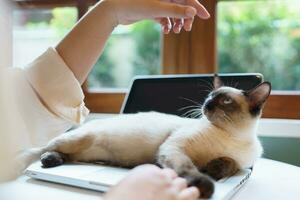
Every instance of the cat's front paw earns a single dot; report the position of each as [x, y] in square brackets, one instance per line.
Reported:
[220, 168]
[52, 159]
[204, 183]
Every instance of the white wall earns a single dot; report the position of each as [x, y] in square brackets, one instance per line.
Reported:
[5, 33]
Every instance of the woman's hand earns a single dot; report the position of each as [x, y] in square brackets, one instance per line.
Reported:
[180, 12]
[152, 183]
[83, 45]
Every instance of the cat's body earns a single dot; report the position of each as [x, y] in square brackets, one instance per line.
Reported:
[133, 139]
[218, 144]
[130, 139]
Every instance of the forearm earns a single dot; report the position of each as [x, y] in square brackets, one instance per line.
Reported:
[81, 48]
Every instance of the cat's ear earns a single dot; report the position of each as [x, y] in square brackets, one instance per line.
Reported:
[217, 82]
[258, 95]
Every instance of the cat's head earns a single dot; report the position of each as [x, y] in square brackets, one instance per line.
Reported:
[227, 106]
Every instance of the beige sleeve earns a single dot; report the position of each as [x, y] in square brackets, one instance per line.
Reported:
[37, 104]
[57, 87]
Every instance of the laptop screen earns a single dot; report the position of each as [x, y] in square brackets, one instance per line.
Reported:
[179, 94]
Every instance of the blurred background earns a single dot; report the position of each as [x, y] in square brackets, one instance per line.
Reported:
[250, 34]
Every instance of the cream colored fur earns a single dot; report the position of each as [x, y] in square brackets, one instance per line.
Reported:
[226, 133]
[134, 139]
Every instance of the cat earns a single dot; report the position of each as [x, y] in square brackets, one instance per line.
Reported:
[213, 146]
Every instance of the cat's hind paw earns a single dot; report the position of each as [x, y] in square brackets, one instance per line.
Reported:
[52, 159]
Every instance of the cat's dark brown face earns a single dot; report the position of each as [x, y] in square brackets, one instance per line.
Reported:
[229, 106]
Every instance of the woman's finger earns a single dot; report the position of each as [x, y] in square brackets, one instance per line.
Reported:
[201, 10]
[166, 24]
[191, 193]
[179, 184]
[178, 24]
[170, 173]
[188, 23]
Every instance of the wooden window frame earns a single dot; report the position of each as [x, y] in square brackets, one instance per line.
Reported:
[185, 53]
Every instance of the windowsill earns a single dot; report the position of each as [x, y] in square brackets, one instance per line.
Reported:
[287, 128]
[267, 127]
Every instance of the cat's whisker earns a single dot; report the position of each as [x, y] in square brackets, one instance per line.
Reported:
[205, 86]
[199, 115]
[192, 116]
[191, 112]
[187, 107]
[208, 91]
[226, 117]
[196, 113]
[211, 86]
[186, 114]
[190, 100]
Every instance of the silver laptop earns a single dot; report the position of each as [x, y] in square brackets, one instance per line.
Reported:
[99, 177]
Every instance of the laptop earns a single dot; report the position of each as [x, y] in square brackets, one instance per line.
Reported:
[164, 93]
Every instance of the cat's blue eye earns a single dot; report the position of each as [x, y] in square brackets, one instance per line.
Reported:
[227, 101]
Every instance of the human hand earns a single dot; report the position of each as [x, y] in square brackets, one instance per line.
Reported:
[182, 12]
[150, 182]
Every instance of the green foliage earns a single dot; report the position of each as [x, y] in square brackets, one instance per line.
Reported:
[63, 20]
[37, 25]
[147, 37]
[253, 36]
[258, 37]
[102, 73]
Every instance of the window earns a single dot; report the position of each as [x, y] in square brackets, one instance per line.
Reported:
[261, 36]
[198, 51]
[34, 30]
[131, 50]
[206, 50]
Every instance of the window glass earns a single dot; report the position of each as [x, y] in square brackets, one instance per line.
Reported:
[261, 36]
[131, 50]
[34, 30]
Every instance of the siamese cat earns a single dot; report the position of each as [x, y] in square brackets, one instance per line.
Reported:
[213, 146]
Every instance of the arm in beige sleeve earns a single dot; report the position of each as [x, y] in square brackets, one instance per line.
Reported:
[81, 48]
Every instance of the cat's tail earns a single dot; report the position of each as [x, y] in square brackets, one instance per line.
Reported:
[27, 157]
[15, 166]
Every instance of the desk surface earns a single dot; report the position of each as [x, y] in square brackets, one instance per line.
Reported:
[270, 180]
